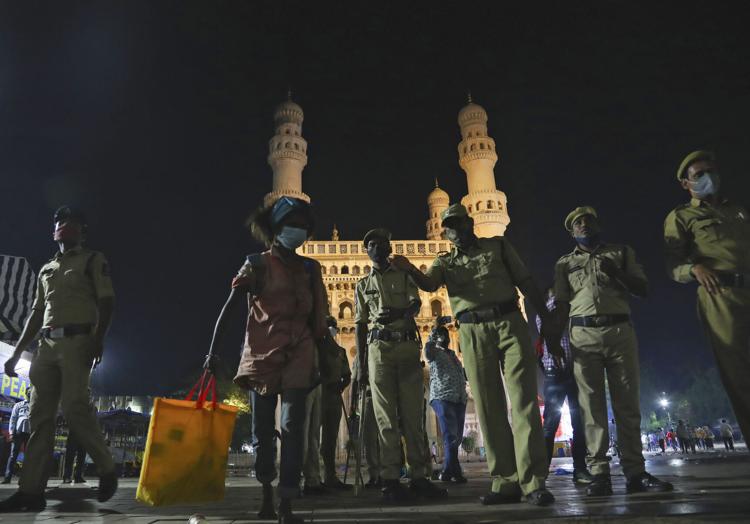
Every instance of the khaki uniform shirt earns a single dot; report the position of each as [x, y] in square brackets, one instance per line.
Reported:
[580, 281]
[699, 233]
[70, 285]
[485, 274]
[391, 288]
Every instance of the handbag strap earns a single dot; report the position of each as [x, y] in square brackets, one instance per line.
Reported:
[205, 384]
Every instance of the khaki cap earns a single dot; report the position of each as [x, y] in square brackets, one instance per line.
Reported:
[693, 157]
[578, 212]
[378, 232]
[454, 210]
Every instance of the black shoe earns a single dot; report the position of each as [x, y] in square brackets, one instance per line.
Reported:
[425, 488]
[79, 480]
[374, 482]
[107, 486]
[540, 497]
[290, 518]
[645, 483]
[601, 486]
[337, 484]
[6, 480]
[492, 498]
[394, 491]
[582, 477]
[314, 490]
[19, 502]
[267, 511]
[459, 478]
[67, 481]
[445, 476]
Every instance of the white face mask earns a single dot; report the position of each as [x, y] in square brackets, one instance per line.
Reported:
[706, 185]
[334, 331]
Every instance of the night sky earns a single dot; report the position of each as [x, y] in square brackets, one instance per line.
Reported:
[155, 117]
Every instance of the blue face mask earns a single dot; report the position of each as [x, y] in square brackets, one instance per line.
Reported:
[706, 185]
[291, 237]
[589, 241]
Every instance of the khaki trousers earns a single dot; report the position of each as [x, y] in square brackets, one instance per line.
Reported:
[331, 421]
[500, 352]
[60, 375]
[396, 381]
[610, 352]
[726, 321]
[311, 461]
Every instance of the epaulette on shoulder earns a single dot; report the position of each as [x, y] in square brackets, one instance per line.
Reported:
[443, 254]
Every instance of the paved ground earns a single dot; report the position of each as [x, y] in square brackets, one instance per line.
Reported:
[711, 487]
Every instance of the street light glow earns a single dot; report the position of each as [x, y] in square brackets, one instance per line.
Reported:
[663, 402]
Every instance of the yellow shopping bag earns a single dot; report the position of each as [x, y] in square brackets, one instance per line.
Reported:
[187, 449]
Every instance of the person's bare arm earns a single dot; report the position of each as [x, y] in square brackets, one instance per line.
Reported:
[361, 335]
[235, 298]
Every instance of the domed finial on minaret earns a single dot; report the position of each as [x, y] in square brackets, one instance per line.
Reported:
[437, 202]
[468, 97]
[287, 152]
[289, 94]
[335, 233]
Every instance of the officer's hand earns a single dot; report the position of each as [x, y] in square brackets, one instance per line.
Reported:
[401, 262]
[10, 367]
[608, 267]
[97, 350]
[706, 278]
[389, 314]
[556, 352]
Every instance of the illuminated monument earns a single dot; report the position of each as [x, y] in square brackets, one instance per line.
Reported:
[344, 262]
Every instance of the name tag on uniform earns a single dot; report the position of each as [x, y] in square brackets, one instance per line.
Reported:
[371, 292]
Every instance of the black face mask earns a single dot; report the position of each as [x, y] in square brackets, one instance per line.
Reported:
[379, 253]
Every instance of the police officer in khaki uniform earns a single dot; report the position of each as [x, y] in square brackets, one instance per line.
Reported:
[73, 309]
[708, 241]
[331, 409]
[592, 288]
[481, 275]
[387, 301]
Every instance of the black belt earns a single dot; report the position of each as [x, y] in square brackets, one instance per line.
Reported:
[70, 330]
[477, 316]
[599, 320]
[388, 335]
[734, 279]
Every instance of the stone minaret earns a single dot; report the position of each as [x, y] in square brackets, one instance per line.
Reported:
[287, 153]
[437, 202]
[477, 156]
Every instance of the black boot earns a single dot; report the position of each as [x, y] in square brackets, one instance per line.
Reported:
[266, 507]
[394, 491]
[285, 513]
[647, 483]
[426, 489]
[19, 502]
[601, 486]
